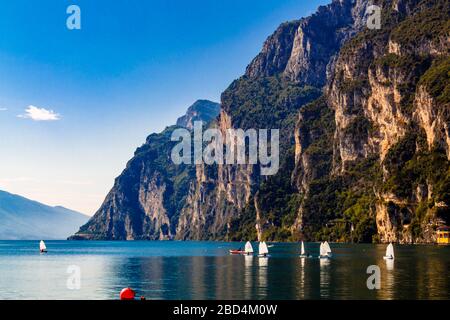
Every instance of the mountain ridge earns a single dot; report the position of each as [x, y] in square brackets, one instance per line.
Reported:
[25, 219]
[200, 110]
[144, 202]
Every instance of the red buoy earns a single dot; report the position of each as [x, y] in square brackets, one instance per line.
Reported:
[127, 294]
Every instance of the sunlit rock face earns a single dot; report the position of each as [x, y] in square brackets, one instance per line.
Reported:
[301, 50]
[384, 112]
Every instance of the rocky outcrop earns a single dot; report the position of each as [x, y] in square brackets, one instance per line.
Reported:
[275, 53]
[147, 198]
[434, 119]
[217, 195]
[201, 110]
[301, 50]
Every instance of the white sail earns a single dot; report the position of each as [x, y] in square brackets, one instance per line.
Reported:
[302, 252]
[263, 248]
[42, 246]
[248, 247]
[323, 249]
[327, 247]
[390, 251]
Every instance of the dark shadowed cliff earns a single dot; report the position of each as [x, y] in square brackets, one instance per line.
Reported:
[147, 197]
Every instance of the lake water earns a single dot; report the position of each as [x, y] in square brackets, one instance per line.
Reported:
[205, 270]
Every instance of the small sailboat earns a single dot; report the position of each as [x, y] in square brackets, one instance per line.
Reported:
[325, 251]
[303, 253]
[327, 248]
[389, 252]
[263, 250]
[248, 248]
[42, 247]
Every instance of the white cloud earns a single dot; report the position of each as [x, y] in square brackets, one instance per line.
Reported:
[3, 109]
[39, 114]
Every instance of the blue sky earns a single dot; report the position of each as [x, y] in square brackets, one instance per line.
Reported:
[133, 68]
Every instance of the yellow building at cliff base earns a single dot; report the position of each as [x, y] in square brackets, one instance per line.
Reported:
[443, 235]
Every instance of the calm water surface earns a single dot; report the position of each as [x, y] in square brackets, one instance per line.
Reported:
[205, 270]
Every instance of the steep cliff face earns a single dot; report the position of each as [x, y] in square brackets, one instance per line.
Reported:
[275, 53]
[221, 193]
[301, 50]
[387, 126]
[147, 198]
[286, 75]
[432, 113]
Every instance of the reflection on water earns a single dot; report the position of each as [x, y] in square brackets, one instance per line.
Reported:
[205, 270]
[301, 282]
[324, 278]
[263, 264]
[390, 280]
[248, 262]
[390, 264]
[248, 276]
[387, 279]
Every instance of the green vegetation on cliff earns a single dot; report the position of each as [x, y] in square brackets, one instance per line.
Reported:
[437, 81]
[428, 24]
[274, 103]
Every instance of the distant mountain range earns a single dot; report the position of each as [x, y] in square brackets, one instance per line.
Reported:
[24, 219]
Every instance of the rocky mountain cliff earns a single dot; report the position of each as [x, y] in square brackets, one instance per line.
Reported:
[364, 121]
[146, 199]
[386, 175]
[301, 50]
